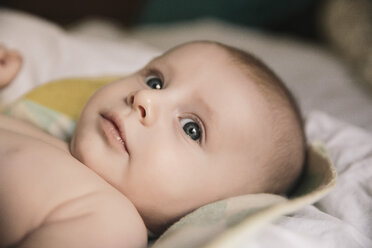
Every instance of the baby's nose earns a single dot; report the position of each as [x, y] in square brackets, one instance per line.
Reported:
[142, 102]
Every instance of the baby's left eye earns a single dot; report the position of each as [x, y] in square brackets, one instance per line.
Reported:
[154, 82]
[191, 128]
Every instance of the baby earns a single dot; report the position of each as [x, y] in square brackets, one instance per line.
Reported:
[200, 123]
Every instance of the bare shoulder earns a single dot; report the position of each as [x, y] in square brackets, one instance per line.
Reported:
[117, 220]
[23, 128]
[103, 218]
[65, 200]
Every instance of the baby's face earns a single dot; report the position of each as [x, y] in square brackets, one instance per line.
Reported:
[186, 130]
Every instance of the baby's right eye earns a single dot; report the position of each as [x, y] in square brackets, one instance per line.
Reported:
[191, 128]
[154, 82]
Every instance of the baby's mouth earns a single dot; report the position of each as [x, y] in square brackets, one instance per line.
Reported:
[113, 129]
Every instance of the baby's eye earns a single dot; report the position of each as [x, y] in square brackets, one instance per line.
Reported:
[154, 82]
[191, 128]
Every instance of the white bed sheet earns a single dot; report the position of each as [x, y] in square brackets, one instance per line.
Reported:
[318, 79]
[344, 217]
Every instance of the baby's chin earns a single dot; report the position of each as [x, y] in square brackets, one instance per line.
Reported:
[71, 145]
[76, 150]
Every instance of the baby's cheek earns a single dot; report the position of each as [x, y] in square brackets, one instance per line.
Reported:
[159, 167]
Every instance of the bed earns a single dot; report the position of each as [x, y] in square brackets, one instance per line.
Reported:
[337, 109]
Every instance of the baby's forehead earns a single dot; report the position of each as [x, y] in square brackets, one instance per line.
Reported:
[197, 60]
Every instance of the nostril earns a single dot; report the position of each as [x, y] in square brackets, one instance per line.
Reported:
[131, 99]
[142, 111]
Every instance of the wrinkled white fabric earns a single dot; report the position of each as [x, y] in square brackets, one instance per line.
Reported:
[342, 219]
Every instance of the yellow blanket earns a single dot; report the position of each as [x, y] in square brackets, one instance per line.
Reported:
[55, 106]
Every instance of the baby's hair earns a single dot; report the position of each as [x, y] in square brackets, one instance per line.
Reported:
[289, 155]
[289, 136]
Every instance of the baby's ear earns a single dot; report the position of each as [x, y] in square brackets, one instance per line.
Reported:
[10, 65]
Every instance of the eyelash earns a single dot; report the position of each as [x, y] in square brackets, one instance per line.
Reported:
[152, 72]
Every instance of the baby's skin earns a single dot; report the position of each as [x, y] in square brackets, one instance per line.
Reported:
[146, 151]
[10, 64]
[50, 199]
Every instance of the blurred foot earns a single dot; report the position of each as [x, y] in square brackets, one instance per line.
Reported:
[10, 65]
